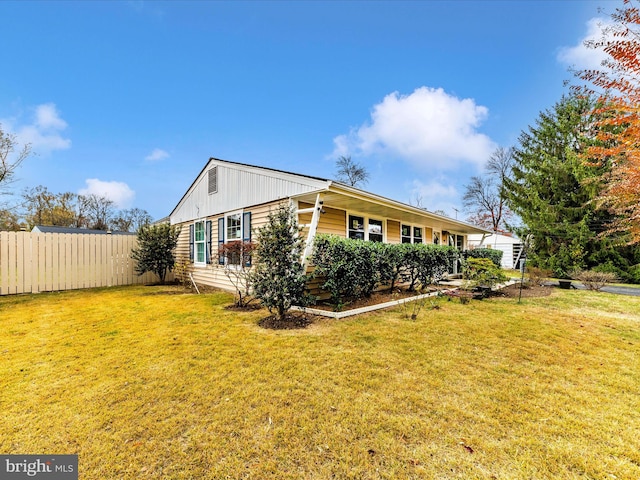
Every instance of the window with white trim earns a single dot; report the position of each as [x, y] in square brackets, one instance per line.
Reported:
[411, 234]
[405, 233]
[417, 235]
[375, 230]
[356, 227]
[362, 228]
[200, 243]
[234, 226]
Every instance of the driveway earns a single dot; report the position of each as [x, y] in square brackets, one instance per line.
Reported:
[620, 290]
[616, 289]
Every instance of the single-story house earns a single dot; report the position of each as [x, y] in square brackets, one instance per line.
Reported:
[229, 201]
[85, 231]
[511, 247]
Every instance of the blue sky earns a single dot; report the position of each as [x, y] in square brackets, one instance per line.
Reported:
[130, 99]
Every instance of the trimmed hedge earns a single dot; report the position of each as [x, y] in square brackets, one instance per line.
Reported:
[491, 253]
[354, 269]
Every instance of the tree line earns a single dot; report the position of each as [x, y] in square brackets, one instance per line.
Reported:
[40, 206]
[571, 184]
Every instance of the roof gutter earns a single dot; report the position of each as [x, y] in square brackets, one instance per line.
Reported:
[361, 194]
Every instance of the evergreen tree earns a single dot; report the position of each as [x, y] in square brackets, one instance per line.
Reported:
[552, 190]
[155, 251]
[279, 279]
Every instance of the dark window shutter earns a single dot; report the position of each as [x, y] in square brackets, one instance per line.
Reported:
[191, 241]
[208, 233]
[246, 235]
[220, 240]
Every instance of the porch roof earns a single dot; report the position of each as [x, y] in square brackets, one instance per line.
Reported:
[343, 197]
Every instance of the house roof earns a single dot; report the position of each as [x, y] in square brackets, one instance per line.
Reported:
[350, 198]
[342, 196]
[239, 185]
[56, 229]
[232, 164]
[493, 238]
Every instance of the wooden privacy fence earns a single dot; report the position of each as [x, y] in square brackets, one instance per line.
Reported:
[41, 262]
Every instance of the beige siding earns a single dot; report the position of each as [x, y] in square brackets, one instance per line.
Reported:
[40, 262]
[213, 274]
[333, 222]
[393, 231]
[428, 235]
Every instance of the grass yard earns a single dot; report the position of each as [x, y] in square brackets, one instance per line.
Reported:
[146, 382]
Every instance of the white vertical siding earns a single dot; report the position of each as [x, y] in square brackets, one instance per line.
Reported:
[239, 186]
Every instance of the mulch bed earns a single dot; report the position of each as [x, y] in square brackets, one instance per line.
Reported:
[513, 291]
[246, 308]
[301, 320]
[375, 299]
[291, 321]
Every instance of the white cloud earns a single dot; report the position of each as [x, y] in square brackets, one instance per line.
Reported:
[428, 128]
[580, 56]
[156, 155]
[119, 192]
[435, 195]
[48, 118]
[44, 133]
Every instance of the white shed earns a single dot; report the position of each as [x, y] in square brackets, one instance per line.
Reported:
[511, 247]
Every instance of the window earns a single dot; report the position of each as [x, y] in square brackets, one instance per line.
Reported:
[436, 238]
[234, 227]
[409, 234]
[405, 233]
[417, 234]
[213, 180]
[375, 230]
[361, 228]
[200, 243]
[356, 227]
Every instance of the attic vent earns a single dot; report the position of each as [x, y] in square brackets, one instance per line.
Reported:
[213, 180]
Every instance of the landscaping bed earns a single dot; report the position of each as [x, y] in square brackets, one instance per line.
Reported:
[513, 291]
[376, 298]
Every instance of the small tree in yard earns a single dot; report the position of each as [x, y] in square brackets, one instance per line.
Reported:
[238, 268]
[482, 272]
[279, 279]
[594, 280]
[155, 249]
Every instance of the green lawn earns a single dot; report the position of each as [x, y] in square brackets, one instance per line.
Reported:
[146, 382]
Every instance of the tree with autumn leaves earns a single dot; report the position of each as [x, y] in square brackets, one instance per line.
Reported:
[552, 190]
[575, 183]
[617, 86]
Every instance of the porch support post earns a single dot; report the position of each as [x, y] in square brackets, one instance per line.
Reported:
[313, 227]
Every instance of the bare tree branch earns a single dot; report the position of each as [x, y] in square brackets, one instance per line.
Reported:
[10, 158]
[351, 172]
[484, 197]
